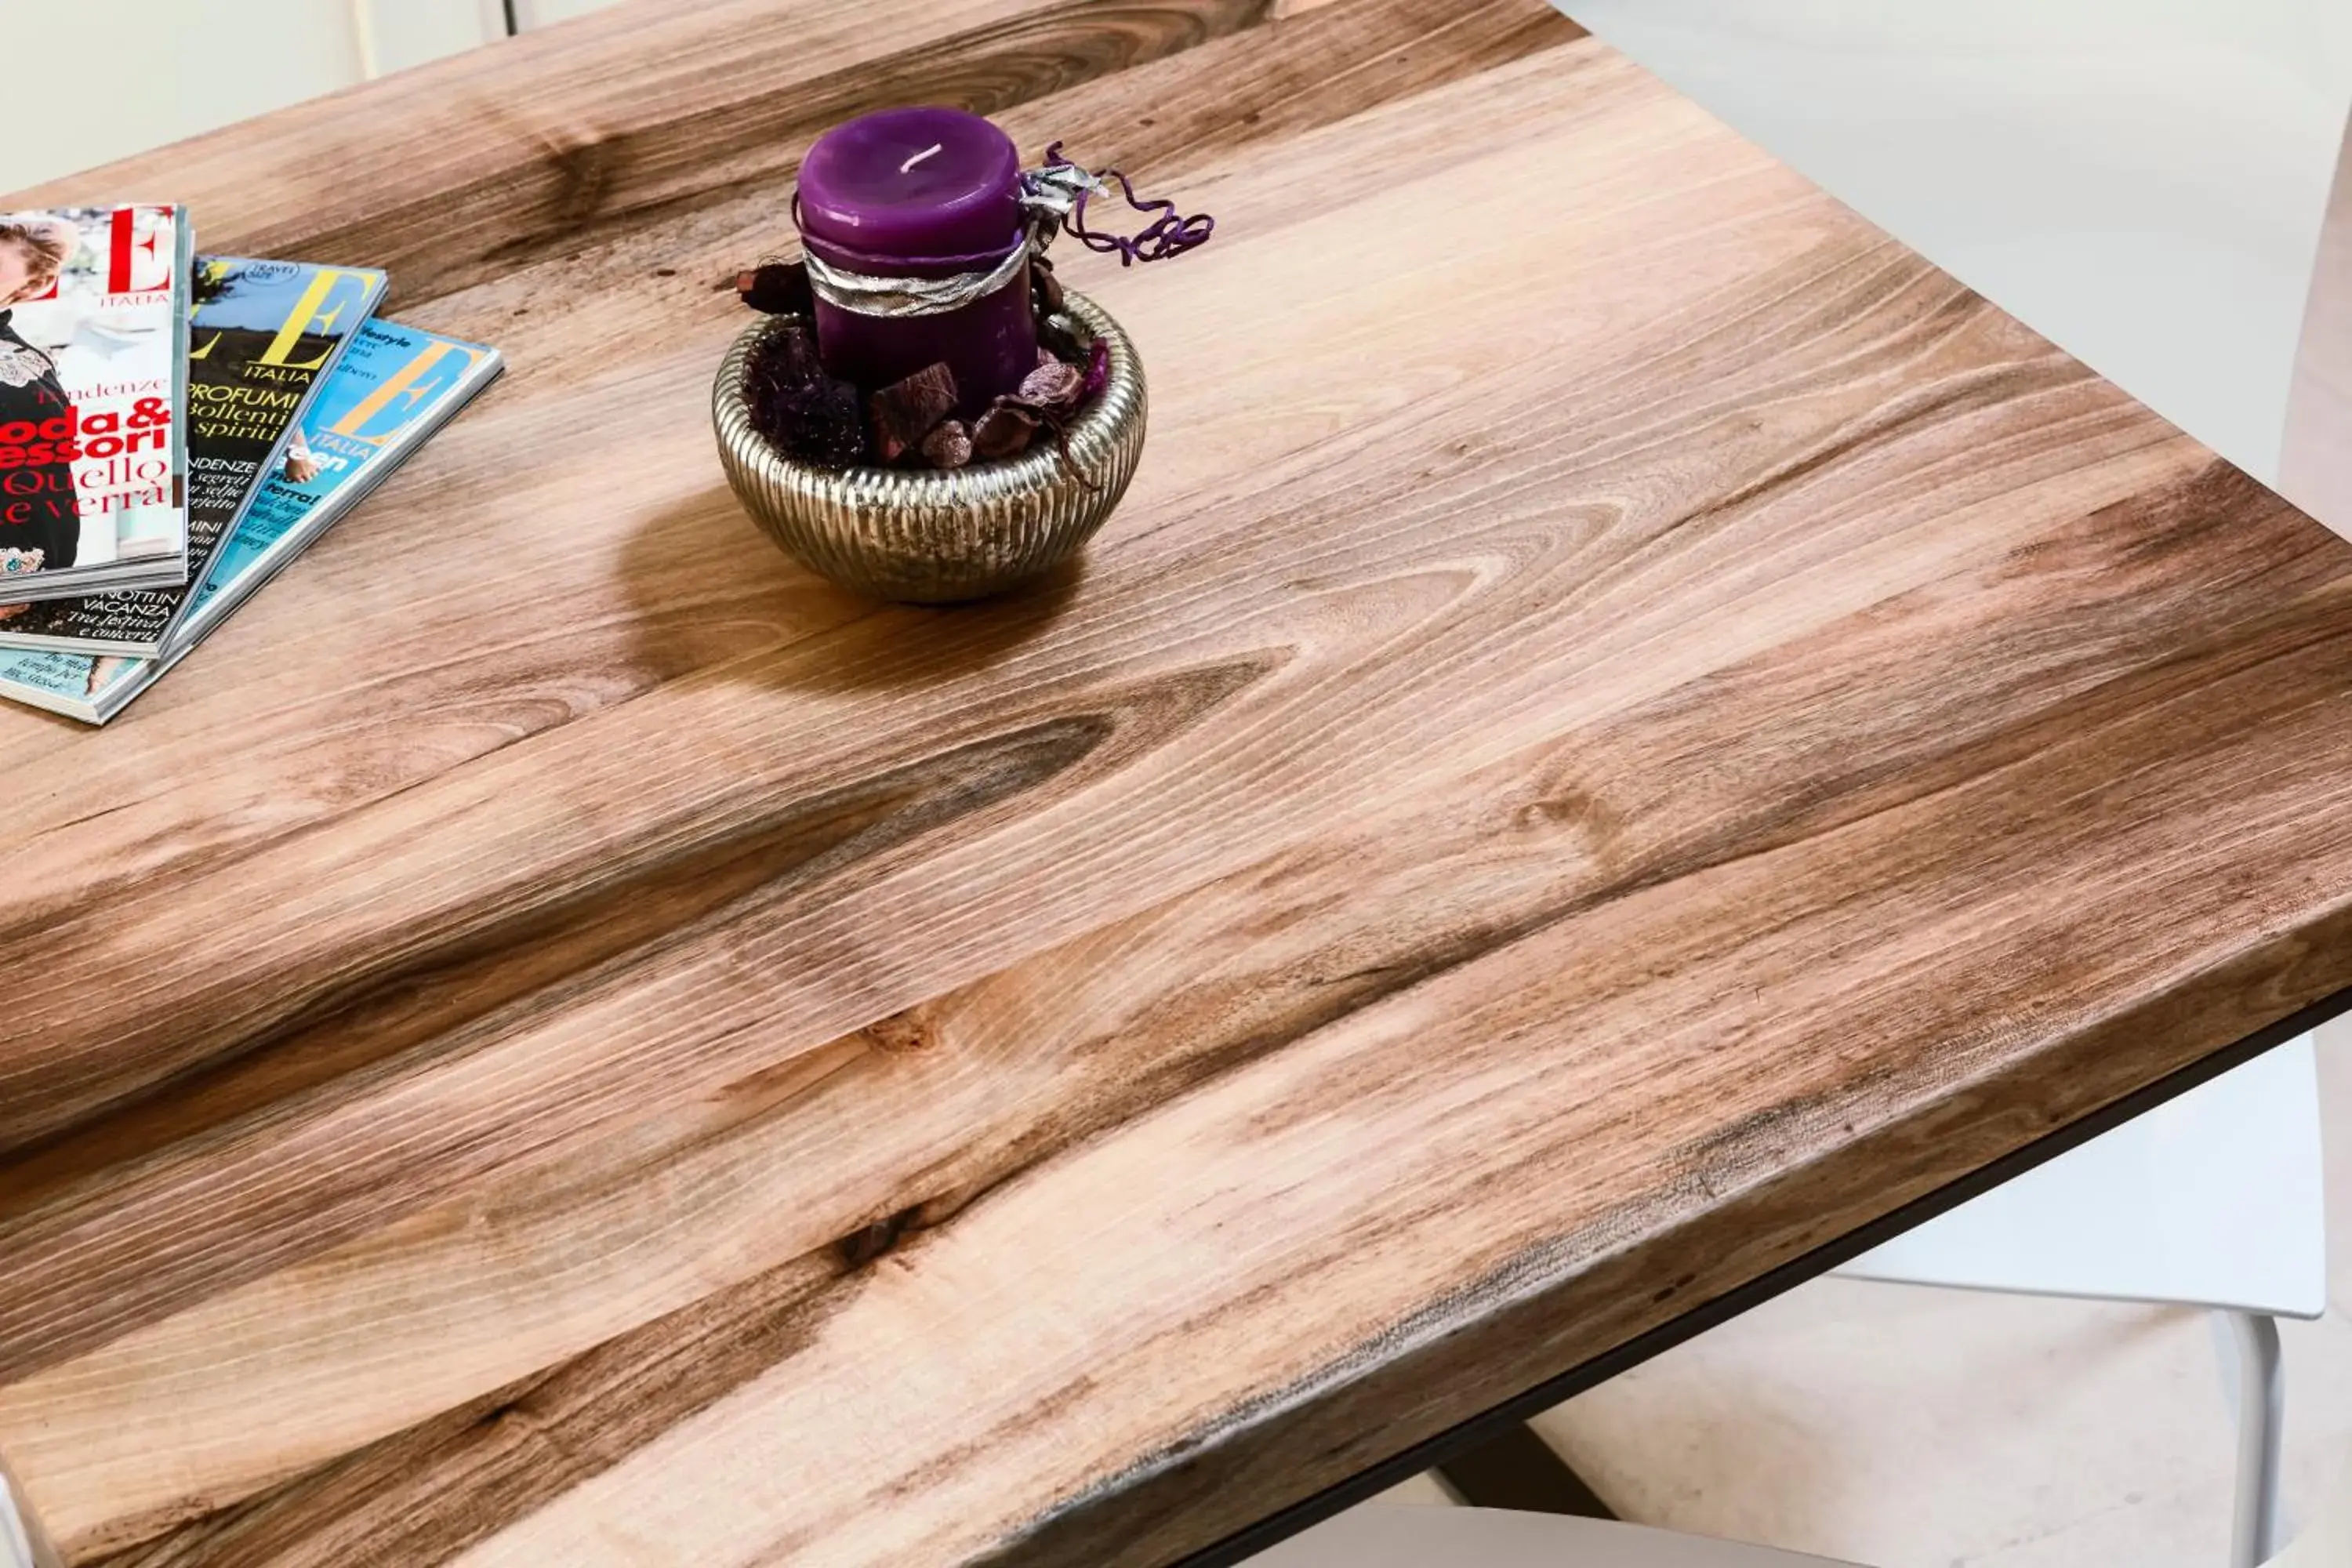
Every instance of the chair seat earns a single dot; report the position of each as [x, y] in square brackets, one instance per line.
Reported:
[1381, 1536]
[2213, 1199]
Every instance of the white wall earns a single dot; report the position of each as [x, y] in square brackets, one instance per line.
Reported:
[2142, 181]
[541, 13]
[172, 69]
[397, 34]
[2315, 470]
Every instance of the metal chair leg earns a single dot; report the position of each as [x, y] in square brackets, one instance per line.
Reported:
[2261, 1403]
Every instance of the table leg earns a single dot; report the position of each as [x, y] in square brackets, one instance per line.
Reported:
[1518, 1470]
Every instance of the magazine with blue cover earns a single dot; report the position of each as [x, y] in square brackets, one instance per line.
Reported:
[265, 336]
[393, 389]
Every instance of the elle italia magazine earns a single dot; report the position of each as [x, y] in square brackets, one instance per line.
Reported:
[150, 484]
[93, 322]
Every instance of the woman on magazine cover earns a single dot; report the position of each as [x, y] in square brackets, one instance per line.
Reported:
[38, 510]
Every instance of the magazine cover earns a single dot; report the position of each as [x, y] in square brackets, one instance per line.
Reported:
[93, 360]
[264, 337]
[395, 387]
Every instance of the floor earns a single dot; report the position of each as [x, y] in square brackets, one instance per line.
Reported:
[1903, 1427]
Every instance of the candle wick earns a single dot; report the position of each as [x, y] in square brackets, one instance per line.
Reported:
[908, 167]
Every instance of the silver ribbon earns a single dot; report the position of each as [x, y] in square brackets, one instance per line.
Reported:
[1047, 196]
[865, 294]
[1050, 195]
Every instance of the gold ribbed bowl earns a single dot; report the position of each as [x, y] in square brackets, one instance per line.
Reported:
[936, 536]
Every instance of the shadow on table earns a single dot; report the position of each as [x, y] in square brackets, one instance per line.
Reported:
[714, 592]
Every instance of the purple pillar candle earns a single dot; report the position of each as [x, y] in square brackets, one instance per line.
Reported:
[923, 194]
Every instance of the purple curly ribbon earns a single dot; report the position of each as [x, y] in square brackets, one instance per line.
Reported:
[1166, 235]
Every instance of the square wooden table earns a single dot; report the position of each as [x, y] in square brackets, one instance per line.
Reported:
[1628, 730]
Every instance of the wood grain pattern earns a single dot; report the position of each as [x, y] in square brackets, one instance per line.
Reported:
[1601, 753]
[450, 175]
[694, 601]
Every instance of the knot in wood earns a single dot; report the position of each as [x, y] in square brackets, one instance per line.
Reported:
[902, 1034]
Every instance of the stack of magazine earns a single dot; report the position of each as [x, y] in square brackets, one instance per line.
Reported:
[174, 429]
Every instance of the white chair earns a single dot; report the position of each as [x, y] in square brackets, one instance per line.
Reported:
[2213, 1200]
[1378, 1536]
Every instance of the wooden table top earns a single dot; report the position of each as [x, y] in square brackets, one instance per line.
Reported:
[1628, 727]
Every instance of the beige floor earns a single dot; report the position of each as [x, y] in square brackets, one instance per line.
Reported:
[1903, 1427]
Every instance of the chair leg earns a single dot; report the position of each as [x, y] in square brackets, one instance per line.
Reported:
[2261, 1401]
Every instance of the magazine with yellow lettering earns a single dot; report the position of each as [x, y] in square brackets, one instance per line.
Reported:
[265, 337]
[395, 388]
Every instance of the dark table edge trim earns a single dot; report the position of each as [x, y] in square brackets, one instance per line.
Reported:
[1432, 1452]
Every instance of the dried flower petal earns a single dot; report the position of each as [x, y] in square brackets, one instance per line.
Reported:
[1054, 386]
[1097, 374]
[949, 446]
[905, 411]
[802, 412]
[778, 288]
[1004, 431]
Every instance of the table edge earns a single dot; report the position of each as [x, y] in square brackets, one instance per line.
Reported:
[1432, 1452]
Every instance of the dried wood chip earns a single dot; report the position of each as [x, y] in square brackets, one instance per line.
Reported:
[1004, 431]
[1064, 337]
[778, 288]
[1044, 288]
[905, 411]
